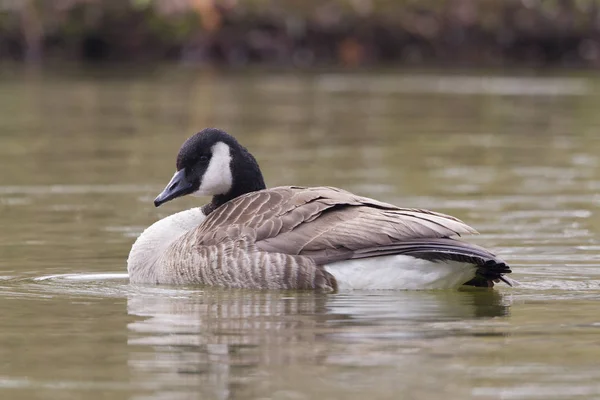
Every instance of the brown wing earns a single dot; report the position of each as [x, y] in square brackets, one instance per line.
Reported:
[322, 222]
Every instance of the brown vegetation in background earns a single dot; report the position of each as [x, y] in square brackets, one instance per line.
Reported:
[304, 32]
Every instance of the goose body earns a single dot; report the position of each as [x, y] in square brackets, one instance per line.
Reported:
[297, 237]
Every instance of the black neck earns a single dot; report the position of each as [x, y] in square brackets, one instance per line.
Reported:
[247, 178]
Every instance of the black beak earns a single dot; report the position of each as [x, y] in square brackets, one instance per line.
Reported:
[179, 186]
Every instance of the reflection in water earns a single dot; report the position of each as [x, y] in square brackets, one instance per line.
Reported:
[225, 341]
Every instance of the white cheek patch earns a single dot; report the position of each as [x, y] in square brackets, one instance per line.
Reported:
[217, 179]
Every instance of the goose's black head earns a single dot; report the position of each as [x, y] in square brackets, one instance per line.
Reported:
[213, 163]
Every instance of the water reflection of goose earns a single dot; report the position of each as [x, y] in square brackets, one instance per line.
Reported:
[222, 341]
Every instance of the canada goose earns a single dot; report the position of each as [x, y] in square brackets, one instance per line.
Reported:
[296, 237]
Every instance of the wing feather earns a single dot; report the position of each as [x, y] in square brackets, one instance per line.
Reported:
[296, 220]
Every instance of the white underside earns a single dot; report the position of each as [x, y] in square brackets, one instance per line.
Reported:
[398, 272]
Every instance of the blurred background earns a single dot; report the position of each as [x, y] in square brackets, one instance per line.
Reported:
[297, 33]
[483, 109]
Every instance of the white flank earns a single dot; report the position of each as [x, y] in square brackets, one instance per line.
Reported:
[217, 179]
[152, 243]
[399, 272]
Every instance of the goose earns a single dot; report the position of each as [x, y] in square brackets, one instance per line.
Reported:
[293, 237]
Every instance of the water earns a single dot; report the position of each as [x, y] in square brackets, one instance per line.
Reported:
[83, 155]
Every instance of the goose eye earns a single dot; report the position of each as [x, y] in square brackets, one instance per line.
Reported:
[203, 159]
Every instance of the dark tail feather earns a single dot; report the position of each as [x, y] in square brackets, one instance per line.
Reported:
[490, 268]
[489, 273]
